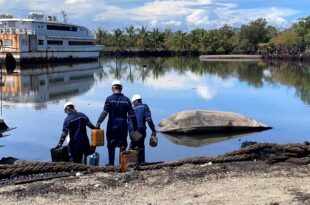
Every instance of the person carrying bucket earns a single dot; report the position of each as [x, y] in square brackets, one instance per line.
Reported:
[143, 115]
[75, 125]
[119, 109]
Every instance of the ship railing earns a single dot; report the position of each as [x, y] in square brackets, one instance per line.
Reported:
[17, 31]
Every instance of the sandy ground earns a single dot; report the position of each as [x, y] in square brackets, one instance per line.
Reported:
[229, 183]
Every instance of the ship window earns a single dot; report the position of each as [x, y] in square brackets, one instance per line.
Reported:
[56, 80]
[53, 42]
[24, 42]
[2, 30]
[61, 28]
[42, 82]
[80, 43]
[11, 24]
[7, 42]
[41, 42]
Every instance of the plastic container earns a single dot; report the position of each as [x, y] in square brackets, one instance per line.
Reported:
[135, 136]
[153, 141]
[60, 154]
[97, 138]
[128, 158]
[94, 159]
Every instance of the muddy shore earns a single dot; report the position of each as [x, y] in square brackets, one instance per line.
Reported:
[227, 183]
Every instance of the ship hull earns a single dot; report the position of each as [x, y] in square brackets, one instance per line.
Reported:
[52, 56]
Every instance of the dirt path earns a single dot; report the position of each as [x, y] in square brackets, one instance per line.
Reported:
[230, 183]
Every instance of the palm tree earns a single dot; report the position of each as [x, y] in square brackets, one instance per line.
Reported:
[169, 38]
[142, 37]
[118, 37]
[130, 32]
[157, 38]
[101, 35]
[181, 40]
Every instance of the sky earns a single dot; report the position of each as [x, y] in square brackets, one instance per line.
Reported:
[173, 14]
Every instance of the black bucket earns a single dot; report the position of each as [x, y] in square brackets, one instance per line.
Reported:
[60, 154]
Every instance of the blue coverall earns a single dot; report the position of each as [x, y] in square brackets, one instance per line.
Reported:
[143, 115]
[75, 125]
[120, 109]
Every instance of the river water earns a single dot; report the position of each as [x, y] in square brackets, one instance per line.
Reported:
[277, 94]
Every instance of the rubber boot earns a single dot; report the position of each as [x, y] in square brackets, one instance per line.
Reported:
[141, 155]
[111, 151]
[85, 159]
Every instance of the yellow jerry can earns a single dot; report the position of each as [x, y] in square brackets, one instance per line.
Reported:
[97, 138]
[128, 158]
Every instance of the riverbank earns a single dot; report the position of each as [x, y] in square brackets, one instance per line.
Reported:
[227, 183]
[147, 53]
[203, 56]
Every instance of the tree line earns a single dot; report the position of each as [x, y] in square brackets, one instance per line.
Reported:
[255, 37]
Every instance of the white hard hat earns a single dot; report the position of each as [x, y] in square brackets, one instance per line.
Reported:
[135, 97]
[116, 82]
[67, 104]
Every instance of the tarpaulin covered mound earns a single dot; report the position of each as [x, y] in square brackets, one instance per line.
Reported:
[203, 121]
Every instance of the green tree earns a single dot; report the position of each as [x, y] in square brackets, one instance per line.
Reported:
[142, 37]
[169, 40]
[213, 40]
[130, 33]
[118, 38]
[101, 36]
[157, 38]
[226, 33]
[302, 26]
[307, 39]
[255, 32]
[272, 32]
[288, 41]
[196, 38]
[181, 40]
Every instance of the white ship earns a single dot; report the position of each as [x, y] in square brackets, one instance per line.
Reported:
[43, 38]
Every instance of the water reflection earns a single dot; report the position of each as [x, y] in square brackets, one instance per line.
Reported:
[39, 84]
[199, 140]
[255, 74]
[274, 93]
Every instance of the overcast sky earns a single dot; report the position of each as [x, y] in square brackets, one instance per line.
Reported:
[175, 14]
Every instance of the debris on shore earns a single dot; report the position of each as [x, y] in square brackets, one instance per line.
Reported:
[238, 177]
[226, 183]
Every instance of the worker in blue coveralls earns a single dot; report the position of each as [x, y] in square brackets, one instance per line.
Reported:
[75, 125]
[119, 109]
[143, 115]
